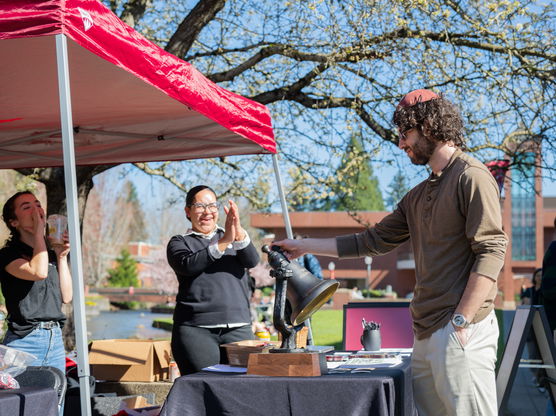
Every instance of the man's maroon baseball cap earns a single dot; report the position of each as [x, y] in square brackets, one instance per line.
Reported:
[417, 96]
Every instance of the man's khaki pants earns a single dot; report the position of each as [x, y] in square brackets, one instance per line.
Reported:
[454, 380]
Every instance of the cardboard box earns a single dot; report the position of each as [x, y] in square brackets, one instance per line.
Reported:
[135, 402]
[138, 406]
[129, 359]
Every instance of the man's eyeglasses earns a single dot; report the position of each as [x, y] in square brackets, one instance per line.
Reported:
[200, 207]
[402, 135]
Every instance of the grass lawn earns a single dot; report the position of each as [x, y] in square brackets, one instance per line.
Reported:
[326, 325]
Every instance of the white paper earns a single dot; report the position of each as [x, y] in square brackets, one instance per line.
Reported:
[404, 352]
[369, 363]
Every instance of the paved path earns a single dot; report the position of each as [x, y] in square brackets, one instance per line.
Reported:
[525, 398]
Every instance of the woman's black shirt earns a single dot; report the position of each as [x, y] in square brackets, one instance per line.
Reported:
[29, 302]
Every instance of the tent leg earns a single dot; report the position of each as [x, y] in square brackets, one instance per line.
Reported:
[288, 225]
[73, 224]
[285, 213]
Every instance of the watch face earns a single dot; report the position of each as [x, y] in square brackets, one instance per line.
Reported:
[459, 320]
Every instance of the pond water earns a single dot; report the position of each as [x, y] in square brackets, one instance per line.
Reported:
[125, 324]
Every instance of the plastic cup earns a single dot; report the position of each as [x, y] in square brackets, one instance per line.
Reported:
[57, 225]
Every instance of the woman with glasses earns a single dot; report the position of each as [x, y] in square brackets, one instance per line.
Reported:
[210, 262]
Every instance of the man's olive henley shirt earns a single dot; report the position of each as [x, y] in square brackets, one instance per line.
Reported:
[455, 224]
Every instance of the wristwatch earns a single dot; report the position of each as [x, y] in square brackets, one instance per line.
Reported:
[459, 321]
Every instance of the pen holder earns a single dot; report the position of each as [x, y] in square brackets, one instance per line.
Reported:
[370, 340]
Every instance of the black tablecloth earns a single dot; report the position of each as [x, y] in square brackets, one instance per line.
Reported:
[382, 392]
[29, 401]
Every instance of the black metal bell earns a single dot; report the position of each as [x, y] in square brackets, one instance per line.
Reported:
[307, 293]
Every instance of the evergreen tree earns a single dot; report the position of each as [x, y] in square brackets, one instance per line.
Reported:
[138, 231]
[396, 190]
[356, 187]
[125, 273]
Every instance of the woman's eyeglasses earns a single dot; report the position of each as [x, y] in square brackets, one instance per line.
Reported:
[200, 207]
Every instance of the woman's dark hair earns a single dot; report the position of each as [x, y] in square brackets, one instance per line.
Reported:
[190, 197]
[438, 120]
[537, 274]
[8, 214]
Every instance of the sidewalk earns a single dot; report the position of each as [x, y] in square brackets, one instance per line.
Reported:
[525, 398]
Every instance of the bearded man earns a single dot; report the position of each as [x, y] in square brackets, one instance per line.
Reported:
[454, 221]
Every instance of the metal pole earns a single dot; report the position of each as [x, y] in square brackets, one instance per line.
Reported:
[288, 226]
[73, 224]
[285, 213]
[368, 261]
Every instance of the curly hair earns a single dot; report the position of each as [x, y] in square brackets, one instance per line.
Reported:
[438, 120]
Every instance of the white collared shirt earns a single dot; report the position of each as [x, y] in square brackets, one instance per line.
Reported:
[213, 248]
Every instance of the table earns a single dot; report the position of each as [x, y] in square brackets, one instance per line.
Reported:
[382, 392]
[29, 401]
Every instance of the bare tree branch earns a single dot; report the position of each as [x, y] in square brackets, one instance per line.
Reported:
[362, 51]
[133, 11]
[224, 51]
[145, 167]
[191, 26]
[290, 91]
[346, 55]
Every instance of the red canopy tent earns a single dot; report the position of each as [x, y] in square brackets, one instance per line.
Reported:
[131, 100]
[78, 86]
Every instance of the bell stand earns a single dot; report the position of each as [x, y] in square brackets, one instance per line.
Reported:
[288, 332]
[288, 360]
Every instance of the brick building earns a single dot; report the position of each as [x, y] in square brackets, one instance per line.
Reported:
[528, 219]
[144, 254]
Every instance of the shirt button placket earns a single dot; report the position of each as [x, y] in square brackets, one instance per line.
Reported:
[428, 204]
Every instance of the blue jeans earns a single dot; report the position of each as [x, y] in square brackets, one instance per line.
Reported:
[45, 344]
[549, 408]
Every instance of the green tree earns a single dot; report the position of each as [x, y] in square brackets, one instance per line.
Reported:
[125, 273]
[397, 189]
[138, 230]
[356, 187]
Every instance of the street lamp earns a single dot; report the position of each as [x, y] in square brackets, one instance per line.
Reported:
[332, 267]
[368, 262]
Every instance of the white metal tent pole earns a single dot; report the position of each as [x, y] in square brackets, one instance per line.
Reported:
[285, 213]
[288, 226]
[73, 224]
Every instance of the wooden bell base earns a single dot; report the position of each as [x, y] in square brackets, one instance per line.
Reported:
[297, 364]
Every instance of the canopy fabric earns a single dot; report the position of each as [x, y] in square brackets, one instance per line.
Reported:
[131, 100]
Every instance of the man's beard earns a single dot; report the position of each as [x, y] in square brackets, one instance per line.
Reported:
[422, 151]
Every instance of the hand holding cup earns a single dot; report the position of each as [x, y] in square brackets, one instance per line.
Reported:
[57, 229]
